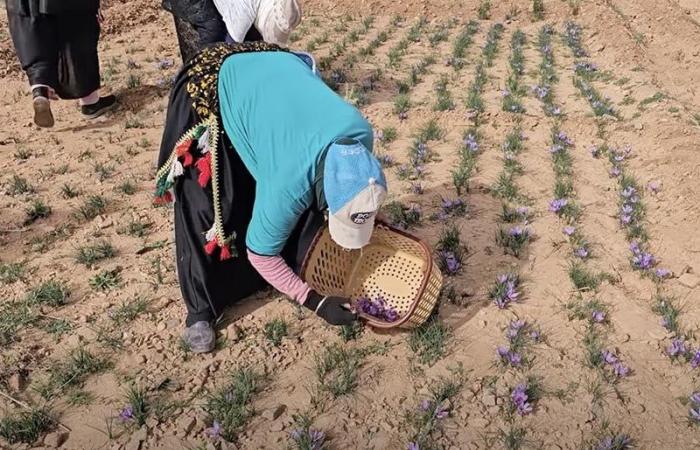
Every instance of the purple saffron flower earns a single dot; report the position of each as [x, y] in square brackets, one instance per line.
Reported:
[316, 437]
[520, 400]
[535, 335]
[127, 413]
[598, 316]
[522, 211]
[695, 414]
[214, 431]
[634, 247]
[471, 143]
[502, 351]
[581, 252]
[442, 411]
[621, 371]
[424, 405]
[609, 357]
[558, 204]
[403, 115]
[516, 231]
[450, 262]
[695, 363]
[413, 446]
[556, 148]
[677, 348]
[514, 358]
[663, 273]
[516, 324]
[628, 192]
[417, 188]
[595, 151]
[695, 398]
[643, 261]
[615, 172]
[569, 230]
[654, 186]
[564, 138]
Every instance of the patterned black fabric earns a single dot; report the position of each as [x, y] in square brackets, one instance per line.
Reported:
[204, 73]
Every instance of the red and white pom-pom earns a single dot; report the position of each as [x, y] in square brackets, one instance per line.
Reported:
[176, 170]
[203, 142]
[211, 234]
[203, 164]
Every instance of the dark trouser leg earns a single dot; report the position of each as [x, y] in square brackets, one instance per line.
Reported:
[36, 44]
[187, 39]
[78, 63]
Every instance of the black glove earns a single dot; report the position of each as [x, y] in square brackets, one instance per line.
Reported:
[334, 310]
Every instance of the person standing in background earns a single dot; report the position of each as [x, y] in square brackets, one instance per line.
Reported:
[198, 24]
[56, 43]
[274, 19]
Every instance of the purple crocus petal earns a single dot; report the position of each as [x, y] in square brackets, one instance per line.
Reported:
[615, 172]
[634, 247]
[654, 186]
[581, 252]
[609, 357]
[621, 370]
[557, 204]
[514, 358]
[535, 335]
[598, 316]
[695, 398]
[695, 414]
[516, 231]
[522, 211]
[677, 348]
[695, 363]
[569, 230]
[502, 351]
[127, 413]
[413, 446]
[517, 324]
[214, 431]
[296, 434]
[424, 405]
[317, 437]
[663, 273]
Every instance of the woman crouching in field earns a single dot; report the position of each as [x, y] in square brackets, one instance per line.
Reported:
[255, 149]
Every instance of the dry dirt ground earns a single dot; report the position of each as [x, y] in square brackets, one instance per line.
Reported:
[126, 309]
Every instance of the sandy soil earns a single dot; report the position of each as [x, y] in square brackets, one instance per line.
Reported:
[644, 47]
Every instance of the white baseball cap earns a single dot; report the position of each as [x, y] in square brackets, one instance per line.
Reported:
[355, 188]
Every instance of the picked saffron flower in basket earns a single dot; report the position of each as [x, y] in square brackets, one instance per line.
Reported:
[377, 308]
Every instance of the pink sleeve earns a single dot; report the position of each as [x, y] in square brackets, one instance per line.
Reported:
[276, 272]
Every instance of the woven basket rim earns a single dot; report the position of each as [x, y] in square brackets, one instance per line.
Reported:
[421, 290]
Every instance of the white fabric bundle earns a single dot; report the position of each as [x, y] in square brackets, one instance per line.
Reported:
[275, 19]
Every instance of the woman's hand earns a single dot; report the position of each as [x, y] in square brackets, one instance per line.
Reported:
[334, 310]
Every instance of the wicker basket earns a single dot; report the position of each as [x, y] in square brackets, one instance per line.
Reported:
[395, 266]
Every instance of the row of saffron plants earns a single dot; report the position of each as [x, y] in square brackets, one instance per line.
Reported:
[631, 215]
[339, 48]
[402, 101]
[450, 250]
[513, 238]
[585, 71]
[335, 77]
[584, 304]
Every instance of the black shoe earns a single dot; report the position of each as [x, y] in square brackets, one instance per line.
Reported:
[42, 107]
[103, 105]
